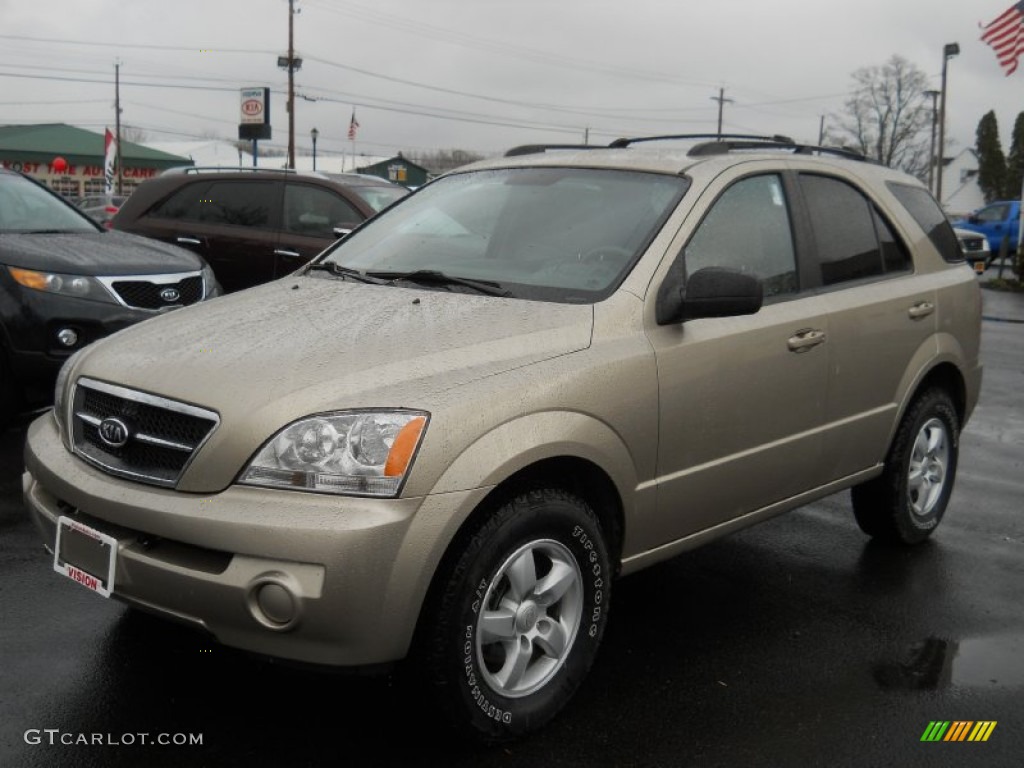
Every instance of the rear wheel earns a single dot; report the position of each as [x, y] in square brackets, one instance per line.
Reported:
[519, 615]
[907, 501]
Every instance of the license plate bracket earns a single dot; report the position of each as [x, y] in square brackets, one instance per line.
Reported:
[85, 555]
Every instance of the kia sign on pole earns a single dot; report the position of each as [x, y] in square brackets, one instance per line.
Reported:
[255, 114]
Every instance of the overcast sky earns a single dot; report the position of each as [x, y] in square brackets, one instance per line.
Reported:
[484, 75]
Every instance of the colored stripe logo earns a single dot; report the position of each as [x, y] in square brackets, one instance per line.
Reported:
[958, 730]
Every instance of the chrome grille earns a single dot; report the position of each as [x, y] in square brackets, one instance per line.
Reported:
[972, 244]
[161, 435]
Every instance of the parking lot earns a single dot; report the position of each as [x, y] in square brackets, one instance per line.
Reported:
[797, 642]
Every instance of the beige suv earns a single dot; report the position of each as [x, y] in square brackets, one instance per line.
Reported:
[447, 437]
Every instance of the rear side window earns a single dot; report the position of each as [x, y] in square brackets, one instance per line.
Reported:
[844, 230]
[183, 204]
[926, 212]
[895, 256]
[241, 203]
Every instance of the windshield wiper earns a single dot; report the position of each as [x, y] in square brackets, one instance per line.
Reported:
[343, 272]
[436, 277]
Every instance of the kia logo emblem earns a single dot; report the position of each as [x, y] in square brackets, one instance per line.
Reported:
[113, 432]
[170, 294]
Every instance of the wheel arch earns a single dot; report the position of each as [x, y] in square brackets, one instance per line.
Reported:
[945, 375]
[533, 454]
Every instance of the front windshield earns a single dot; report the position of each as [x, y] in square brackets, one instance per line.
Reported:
[26, 207]
[554, 234]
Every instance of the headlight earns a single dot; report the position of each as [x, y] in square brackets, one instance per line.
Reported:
[66, 285]
[210, 283]
[358, 453]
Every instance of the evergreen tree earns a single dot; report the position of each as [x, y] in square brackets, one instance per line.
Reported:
[1015, 162]
[991, 161]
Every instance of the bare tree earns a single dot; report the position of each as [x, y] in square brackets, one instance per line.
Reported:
[888, 117]
[133, 134]
[443, 160]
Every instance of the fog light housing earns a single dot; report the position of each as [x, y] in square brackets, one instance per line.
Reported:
[68, 337]
[273, 603]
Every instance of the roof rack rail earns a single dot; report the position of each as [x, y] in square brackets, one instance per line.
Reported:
[533, 149]
[225, 169]
[852, 154]
[781, 142]
[625, 142]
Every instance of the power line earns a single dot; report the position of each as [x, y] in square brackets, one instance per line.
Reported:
[77, 70]
[142, 46]
[422, 29]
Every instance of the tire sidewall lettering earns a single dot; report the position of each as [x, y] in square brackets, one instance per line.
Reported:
[592, 562]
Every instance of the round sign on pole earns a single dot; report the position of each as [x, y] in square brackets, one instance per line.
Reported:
[252, 107]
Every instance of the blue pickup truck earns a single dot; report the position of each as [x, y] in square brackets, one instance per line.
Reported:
[996, 221]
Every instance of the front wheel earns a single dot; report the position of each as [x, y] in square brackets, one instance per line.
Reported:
[520, 614]
[907, 501]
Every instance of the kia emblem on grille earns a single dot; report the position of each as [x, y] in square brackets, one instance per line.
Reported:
[170, 294]
[114, 432]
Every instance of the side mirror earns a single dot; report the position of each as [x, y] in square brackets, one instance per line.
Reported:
[973, 219]
[709, 292]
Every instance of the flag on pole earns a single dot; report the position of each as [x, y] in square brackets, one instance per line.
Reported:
[1006, 36]
[109, 162]
[353, 124]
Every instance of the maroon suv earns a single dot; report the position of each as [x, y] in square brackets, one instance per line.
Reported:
[253, 225]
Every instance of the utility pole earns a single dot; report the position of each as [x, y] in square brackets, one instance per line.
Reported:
[586, 135]
[117, 118]
[291, 84]
[949, 50]
[291, 63]
[720, 98]
[821, 131]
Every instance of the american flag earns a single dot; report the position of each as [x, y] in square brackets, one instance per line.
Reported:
[353, 124]
[1006, 36]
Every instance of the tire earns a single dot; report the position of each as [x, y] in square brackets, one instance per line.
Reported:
[518, 615]
[908, 500]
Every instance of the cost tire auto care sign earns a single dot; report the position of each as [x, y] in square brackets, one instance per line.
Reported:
[254, 122]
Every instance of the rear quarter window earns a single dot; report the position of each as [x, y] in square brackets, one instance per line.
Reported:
[926, 212]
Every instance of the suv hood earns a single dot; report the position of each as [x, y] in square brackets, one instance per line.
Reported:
[95, 253]
[275, 353]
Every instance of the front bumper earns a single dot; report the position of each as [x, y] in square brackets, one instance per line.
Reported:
[346, 576]
[32, 320]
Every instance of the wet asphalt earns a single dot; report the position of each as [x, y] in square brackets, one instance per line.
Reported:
[795, 643]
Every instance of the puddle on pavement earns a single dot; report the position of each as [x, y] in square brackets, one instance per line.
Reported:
[974, 662]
